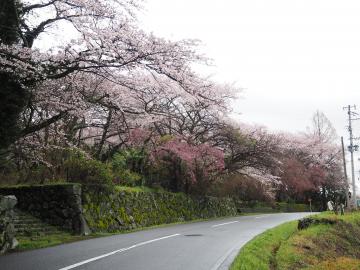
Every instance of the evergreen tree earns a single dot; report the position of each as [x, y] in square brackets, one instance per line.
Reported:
[9, 33]
[13, 95]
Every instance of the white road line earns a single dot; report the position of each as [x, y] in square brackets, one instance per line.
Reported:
[219, 264]
[217, 225]
[116, 251]
[262, 216]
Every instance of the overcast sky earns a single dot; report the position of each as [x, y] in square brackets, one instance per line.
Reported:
[291, 57]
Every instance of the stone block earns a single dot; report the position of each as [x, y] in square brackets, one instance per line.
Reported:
[7, 202]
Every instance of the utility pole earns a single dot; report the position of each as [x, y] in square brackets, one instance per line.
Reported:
[345, 174]
[352, 148]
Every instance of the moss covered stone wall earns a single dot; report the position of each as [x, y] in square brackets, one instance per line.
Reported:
[7, 230]
[111, 209]
[58, 205]
[108, 210]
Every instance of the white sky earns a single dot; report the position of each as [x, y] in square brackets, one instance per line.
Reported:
[292, 57]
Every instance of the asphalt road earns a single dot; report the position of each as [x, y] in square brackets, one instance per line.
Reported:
[205, 245]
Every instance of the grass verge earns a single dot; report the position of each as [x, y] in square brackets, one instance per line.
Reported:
[35, 242]
[259, 252]
[330, 242]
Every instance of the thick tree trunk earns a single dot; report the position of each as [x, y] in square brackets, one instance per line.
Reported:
[103, 137]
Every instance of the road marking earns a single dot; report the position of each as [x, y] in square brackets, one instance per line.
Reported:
[217, 225]
[116, 251]
[262, 216]
[219, 264]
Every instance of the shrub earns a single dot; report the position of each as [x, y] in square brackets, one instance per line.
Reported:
[79, 169]
[127, 178]
[127, 167]
[292, 207]
[242, 187]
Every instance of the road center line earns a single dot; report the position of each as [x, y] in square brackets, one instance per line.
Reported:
[217, 225]
[261, 217]
[116, 251]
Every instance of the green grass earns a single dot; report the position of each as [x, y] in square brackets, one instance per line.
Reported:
[320, 247]
[135, 189]
[28, 243]
[289, 256]
[54, 183]
[259, 252]
[62, 183]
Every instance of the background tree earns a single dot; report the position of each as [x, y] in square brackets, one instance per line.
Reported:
[325, 133]
[312, 164]
[322, 128]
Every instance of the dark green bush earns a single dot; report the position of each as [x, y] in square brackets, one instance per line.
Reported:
[127, 178]
[79, 169]
[292, 207]
[127, 167]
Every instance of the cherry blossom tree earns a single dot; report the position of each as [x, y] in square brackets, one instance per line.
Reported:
[311, 164]
[251, 150]
[107, 46]
[191, 168]
[110, 77]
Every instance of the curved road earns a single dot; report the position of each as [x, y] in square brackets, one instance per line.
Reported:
[208, 245]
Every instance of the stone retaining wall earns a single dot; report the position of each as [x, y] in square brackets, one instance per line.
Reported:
[107, 209]
[59, 205]
[7, 230]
